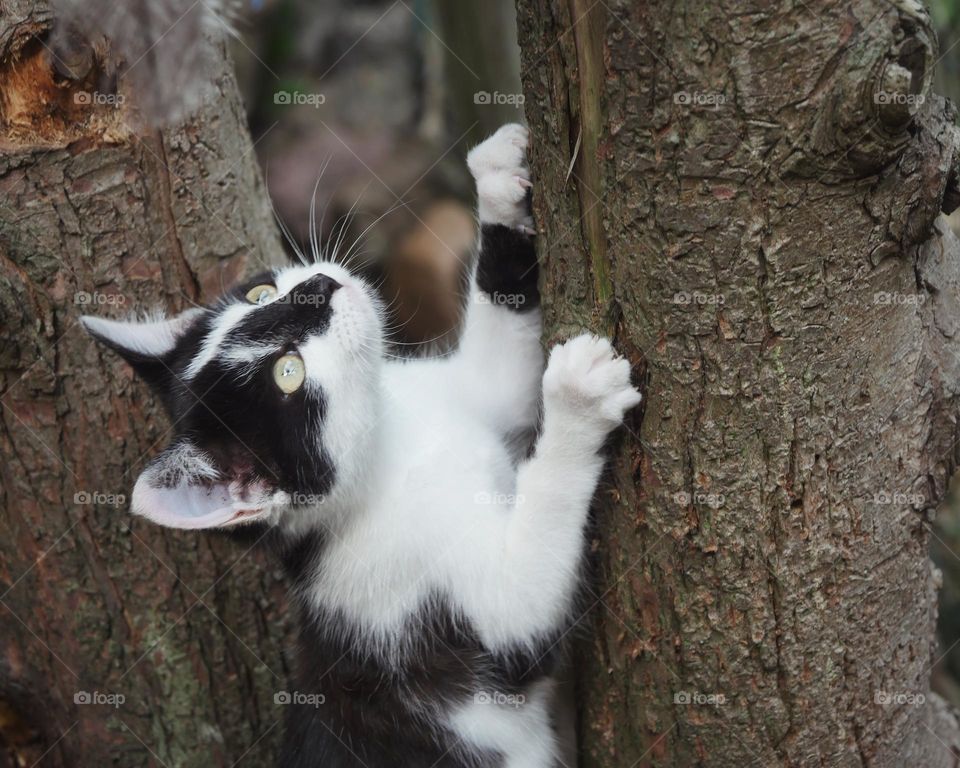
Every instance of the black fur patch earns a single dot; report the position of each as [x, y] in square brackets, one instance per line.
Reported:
[243, 421]
[250, 428]
[507, 269]
[383, 715]
[304, 311]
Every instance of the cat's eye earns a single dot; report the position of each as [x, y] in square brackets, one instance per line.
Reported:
[289, 373]
[262, 294]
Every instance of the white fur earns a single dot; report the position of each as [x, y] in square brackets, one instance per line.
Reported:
[156, 336]
[211, 344]
[518, 728]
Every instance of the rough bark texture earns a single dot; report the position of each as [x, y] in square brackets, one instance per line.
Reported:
[750, 209]
[98, 216]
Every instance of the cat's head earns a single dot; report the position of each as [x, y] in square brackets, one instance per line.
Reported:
[272, 394]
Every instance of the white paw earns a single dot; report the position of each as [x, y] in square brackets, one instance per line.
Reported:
[587, 380]
[499, 166]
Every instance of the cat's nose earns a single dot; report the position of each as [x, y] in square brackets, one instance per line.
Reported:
[318, 289]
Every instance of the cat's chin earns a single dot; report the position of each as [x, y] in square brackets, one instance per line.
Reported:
[355, 325]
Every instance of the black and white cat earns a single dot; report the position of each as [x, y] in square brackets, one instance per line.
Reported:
[433, 575]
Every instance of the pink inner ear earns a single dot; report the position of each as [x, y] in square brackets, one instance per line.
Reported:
[208, 505]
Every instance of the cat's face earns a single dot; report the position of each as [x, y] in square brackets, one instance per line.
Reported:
[271, 392]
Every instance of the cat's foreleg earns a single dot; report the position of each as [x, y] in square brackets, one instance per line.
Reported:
[500, 359]
[586, 392]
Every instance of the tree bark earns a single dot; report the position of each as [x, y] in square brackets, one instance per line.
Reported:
[746, 195]
[101, 216]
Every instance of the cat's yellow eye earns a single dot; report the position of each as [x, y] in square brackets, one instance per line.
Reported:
[262, 294]
[289, 373]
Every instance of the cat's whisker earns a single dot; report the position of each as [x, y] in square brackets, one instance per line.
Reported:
[348, 222]
[314, 238]
[359, 239]
[283, 227]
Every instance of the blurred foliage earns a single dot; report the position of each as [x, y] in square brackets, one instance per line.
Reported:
[946, 17]
[368, 109]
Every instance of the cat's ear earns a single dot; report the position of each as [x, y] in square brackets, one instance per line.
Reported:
[181, 488]
[142, 344]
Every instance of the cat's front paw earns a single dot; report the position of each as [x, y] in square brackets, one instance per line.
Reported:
[499, 166]
[586, 381]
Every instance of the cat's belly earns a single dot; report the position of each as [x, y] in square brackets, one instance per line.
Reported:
[438, 519]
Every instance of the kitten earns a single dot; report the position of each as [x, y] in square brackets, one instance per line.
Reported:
[434, 576]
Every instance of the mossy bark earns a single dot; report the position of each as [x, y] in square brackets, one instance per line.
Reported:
[99, 215]
[745, 195]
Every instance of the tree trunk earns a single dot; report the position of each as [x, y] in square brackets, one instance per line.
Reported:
[745, 195]
[100, 217]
